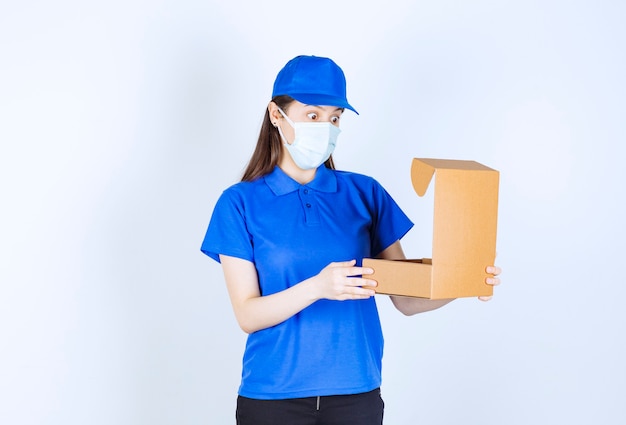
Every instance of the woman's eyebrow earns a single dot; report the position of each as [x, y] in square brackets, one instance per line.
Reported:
[318, 106]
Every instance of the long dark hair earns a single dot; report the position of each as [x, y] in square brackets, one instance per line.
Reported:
[269, 146]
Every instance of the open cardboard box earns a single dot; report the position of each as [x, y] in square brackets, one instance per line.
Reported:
[464, 234]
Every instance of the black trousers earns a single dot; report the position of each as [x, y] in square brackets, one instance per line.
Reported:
[356, 409]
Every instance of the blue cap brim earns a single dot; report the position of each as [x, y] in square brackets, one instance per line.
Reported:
[322, 100]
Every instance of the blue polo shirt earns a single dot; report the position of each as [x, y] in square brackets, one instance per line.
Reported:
[291, 232]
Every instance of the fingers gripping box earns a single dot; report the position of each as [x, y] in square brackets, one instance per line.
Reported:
[464, 234]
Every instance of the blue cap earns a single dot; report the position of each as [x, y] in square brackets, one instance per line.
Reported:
[313, 80]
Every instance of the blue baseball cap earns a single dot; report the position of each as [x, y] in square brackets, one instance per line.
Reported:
[313, 80]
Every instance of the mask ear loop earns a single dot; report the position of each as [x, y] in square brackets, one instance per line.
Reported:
[280, 131]
[287, 118]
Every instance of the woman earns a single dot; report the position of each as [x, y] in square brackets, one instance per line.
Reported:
[290, 237]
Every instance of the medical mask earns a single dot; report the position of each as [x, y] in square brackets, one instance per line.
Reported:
[313, 143]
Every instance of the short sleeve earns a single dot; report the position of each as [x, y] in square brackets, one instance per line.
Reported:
[227, 233]
[390, 223]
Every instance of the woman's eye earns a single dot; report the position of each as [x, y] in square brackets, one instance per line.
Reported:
[334, 120]
[312, 116]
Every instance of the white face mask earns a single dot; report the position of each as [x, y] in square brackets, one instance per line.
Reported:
[313, 143]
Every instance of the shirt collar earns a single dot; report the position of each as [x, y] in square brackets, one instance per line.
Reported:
[281, 184]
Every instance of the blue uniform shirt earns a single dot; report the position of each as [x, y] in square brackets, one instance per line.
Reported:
[291, 232]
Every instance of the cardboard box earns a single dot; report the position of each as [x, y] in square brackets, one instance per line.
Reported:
[464, 234]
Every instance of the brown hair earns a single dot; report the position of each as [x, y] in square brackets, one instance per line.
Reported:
[269, 146]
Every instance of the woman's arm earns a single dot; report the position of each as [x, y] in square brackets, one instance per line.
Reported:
[255, 312]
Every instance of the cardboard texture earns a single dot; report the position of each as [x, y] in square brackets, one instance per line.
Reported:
[464, 234]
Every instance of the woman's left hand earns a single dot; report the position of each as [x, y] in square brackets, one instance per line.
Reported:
[495, 271]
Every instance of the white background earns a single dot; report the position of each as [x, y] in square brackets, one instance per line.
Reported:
[121, 122]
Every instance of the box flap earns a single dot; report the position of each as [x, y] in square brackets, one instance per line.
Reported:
[422, 170]
[421, 175]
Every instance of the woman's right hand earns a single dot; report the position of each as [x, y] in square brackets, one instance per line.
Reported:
[339, 281]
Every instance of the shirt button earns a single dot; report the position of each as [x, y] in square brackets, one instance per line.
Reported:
[308, 205]
[306, 191]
